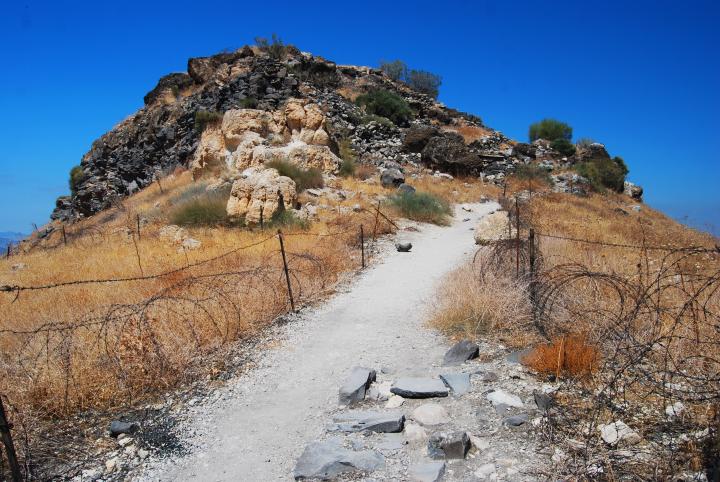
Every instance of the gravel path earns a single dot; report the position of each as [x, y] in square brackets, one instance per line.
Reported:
[260, 425]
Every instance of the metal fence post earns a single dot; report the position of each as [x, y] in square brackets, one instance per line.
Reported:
[5, 427]
[517, 239]
[287, 272]
[362, 245]
[9, 248]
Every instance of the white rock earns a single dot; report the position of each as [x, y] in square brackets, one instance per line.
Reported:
[618, 432]
[191, 243]
[379, 391]
[394, 401]
[430, 414]
[479, 443]
[674, 410]
[500, 396]
[124, 441]
[112, 464]
[414, 433]
[143, 454]
[485, 471]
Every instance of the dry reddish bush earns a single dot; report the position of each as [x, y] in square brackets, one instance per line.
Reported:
[571, 356]
[365, 171]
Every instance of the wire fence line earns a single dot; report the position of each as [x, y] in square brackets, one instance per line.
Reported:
[132, 350]
[656, 325]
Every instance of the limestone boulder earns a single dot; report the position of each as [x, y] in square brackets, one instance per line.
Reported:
[237, 122]
[211, 155]
[319, 157]
[262, 193]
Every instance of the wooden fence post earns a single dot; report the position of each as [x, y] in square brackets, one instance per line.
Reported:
[137, 220]
[377, 215]
[5, 428]
[64, 235]
[287, 272]
[362, 245]
[9, 249]
[517, 239]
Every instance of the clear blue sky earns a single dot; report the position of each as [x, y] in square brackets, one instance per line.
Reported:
[641, 77]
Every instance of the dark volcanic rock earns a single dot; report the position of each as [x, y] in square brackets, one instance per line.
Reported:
[419, 388]
[353, 389]
[448, 153]
[326, 460]
[417, 137]
[118, 427]
[449, 446]
[461, 352]
[389, 422]
[392, 178]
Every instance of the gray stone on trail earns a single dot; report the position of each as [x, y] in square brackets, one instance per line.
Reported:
[543, 401]
[360, 421]
[459, 383]
[502, 409]
[426, 471]
[461, 352]
[449, 446]
[392, 178]
[487, 376]
[517, 420]
[403, 247]
[419, 388]
[118, 427]
[498, 397]
[406, 189]
[353, 389]
[326, 460]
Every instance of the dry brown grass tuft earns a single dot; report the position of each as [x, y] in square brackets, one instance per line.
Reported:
[480, 299]
[469, 133]
[565, 357]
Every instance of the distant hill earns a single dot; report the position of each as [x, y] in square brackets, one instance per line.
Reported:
[7, 237]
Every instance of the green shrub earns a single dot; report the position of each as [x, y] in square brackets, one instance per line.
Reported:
[274, 47]
[304, 178]
[563, 146]
[425, 82]
[533, 172]
[284, 218]
[550, 130]
[201, 209]
[77, 176]
[604, 173]
[422, 206]
[249, 103]
[348, 156]
[204, 118]
[396, 70]
[386, 104]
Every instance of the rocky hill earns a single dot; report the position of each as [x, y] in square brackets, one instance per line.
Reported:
[289, 99]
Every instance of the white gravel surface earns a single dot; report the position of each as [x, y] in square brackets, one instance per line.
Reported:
[259, 426]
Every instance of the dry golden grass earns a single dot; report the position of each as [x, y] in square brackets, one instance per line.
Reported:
[469, 133]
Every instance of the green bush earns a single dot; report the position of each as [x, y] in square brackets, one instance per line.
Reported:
[77, 176]
[304, 178]
[202, 209]
[274, 47]
[533, 172]
[563, 146]
[386, 104]
[204, 118]
[604, 173]
[550, 130]
[425, 82]
[585, 142]
[422, 206]
[348, 156]
[284, 218]
[249, 103]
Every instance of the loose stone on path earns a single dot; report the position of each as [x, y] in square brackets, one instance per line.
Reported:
[427, 471]
[325, 460]
[360, 421]
[459, 383]
[419, 388]
[461, 352]
[353, 390]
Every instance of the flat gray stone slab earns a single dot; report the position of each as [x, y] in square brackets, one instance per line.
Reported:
[360, 421]
[517, 420]
[461, 352]
[459, 383]
[354, 387]
[326, 460]
[426, 471]
[419, 388]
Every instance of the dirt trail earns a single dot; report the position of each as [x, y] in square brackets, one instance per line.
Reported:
[260, 425]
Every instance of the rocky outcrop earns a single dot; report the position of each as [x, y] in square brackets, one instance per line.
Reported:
[594, 151]
[633, 190]
[260, 195]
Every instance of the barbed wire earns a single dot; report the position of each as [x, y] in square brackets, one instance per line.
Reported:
[629, 246]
